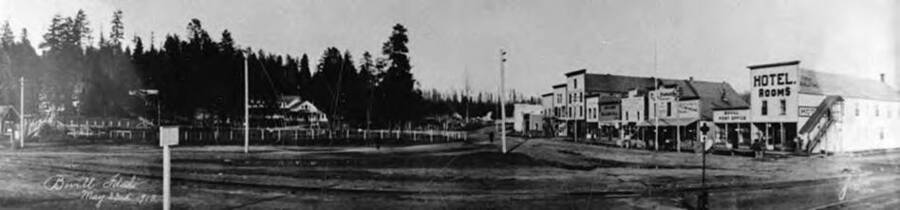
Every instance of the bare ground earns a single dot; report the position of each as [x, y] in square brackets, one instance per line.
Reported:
[537, 173]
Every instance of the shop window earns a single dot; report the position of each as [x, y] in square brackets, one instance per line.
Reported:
[764, 110]
[783, 107]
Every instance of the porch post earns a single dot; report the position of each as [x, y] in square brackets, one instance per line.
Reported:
[726, 136]
[766, 137]
[783, 140]
[678, 138]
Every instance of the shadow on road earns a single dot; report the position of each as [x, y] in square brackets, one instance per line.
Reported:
[513, 148]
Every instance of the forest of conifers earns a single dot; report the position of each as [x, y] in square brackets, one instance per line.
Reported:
[78, 71]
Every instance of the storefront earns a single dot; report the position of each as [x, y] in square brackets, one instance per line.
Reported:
[794, 109]
[733, 126]
[609, 119]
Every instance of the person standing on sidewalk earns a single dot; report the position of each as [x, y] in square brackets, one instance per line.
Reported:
[491, 136]
[756, 149]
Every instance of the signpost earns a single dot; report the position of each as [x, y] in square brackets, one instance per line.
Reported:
[168, 136]
[703, 198]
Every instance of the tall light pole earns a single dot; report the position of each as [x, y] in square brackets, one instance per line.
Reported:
[22, 131]
[502, 100]
[246, 105]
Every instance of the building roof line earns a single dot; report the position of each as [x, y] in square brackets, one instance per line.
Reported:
[769, 65]
[576, 72]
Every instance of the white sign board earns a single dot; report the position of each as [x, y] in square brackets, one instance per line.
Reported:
[689, 109]
[774, 93]
[806, 111]
[727, 116]
[168, 135]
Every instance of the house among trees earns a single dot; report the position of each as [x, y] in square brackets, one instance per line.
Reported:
[8, 120]
[291, 110]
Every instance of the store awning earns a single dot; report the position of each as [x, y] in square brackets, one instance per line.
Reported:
[646, 123]
[678, 122]
[608, 123]
[668, 122]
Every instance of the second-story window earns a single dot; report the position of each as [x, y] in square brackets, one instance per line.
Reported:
[576, 83]
[668, 109]
[877, 110]
[783, 104]
[764, 110]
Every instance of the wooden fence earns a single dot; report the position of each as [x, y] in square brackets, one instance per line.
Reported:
[263, 136]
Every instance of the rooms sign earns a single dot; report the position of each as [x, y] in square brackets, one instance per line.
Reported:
[774, 84]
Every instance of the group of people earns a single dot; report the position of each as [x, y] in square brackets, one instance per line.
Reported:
[759, 149]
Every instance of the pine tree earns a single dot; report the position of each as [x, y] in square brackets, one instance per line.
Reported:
[400, 102]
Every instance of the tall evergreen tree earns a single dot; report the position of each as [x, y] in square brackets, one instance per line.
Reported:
[305, 77]
[118, 30]
[400, 99]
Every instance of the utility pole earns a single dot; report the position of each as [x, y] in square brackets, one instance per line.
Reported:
[466, 94]
[656, 96]
[246, 105]
[22, 112]
[502, 100]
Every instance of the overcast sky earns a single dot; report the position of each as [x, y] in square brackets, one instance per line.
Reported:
[709, 40]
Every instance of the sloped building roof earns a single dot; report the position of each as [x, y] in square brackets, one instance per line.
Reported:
[712, 95]
[822, 83]
[617, 83]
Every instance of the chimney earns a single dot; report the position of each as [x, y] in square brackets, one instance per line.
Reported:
[691, 79]
[882, 77]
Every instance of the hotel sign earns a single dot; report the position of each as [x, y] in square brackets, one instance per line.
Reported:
[774, 84]
[727, 116]
[771, 85]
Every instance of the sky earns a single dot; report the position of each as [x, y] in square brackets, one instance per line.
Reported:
[452, 42]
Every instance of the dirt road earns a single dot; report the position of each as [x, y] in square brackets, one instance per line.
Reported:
[537, 173]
